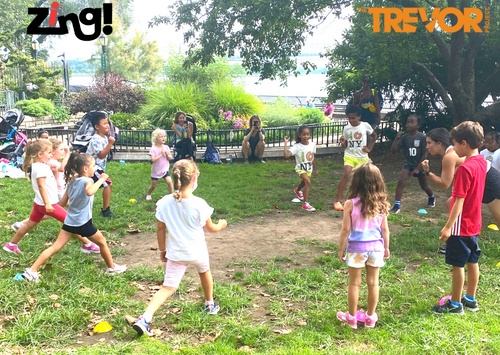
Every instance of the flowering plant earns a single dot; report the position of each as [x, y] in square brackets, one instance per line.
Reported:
[229, 121]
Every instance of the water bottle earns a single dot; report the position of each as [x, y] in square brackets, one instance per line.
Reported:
[229, 159]
[4, 168]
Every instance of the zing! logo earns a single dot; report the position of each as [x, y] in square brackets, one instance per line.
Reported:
[36, 26]
[449, 19]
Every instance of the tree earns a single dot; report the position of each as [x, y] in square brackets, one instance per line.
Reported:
[456, 71]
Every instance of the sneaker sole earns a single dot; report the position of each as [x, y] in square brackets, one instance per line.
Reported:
[141, 331]
[472, 309]
[11, 251]
[85, 251]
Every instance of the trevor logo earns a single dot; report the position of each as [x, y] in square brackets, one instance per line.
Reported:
[35, 27]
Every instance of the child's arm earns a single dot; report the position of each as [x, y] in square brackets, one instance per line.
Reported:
[168, 154]
[43, 192]
[64, 199]
[154, 158]
[394, 145]
[215, 227]
[315, 167]
[104, 153]
[385, 237]
[454, 213]
[161, 237]
[345, 231]
[64, 161]
[370, 145]
[286, 152]
[92, 187]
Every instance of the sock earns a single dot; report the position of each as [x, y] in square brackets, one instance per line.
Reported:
[12, 244]
[397, 203]
[455, 304]
[148, 317]
[469, 298]
[209, 303]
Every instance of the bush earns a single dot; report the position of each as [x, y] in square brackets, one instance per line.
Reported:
[279, 114]
[310, 115]
[115, 95]
[130, 121]
[60, 113]
[36, 107]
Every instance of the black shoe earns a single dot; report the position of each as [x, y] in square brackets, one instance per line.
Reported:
[470, 305]
[448, 308]
[107, 213]
[395, 209]
[431, 202]
[442, 250]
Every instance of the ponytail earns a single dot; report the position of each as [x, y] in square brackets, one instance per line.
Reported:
[183, 173]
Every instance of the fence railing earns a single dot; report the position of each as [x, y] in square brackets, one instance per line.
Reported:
[323, 134]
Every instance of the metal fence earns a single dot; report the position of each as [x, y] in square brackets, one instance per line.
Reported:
[323, 134]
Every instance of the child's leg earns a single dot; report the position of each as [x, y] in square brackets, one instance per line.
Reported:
[159, 298]
[472, 278]
[457, 283]
[21, 232]
[306, 184]
[170, 184]
[403, 177]
[84, 240]
[106, 197]
[99, 239]
[343, 182]
[61, 240]
[372, 277]
[208, 285]
[494, 207]
[152, 187]
[353, 291]
[422, 180]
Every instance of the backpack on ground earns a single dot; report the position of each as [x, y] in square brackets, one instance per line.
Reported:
[211, 155]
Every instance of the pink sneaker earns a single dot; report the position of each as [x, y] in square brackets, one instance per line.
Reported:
[351, 321]
[92, 248]
[371, 320]
[12, 248]
[306, 206]
[299, 194]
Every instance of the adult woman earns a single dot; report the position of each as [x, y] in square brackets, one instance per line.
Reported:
[253, 143]
[183, 139]
[438, 143]
[368, 99]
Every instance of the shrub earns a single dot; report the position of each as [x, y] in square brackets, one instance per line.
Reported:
[60, 113]
[280, 113]
[36, 107]
[115, 95]
[228, 96]
[310, 115]
[130, 121]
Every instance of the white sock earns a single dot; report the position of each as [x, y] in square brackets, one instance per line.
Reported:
[209, 303]
[147, 317]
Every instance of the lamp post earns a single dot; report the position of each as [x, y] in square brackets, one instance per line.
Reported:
[35, 46]
[103, 40]
[65, 72]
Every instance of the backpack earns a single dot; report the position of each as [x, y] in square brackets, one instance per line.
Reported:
[211, 155]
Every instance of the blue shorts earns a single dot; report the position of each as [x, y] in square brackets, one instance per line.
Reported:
[166, 175]
[462, 250]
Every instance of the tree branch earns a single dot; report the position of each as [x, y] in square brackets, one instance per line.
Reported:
[488, 112]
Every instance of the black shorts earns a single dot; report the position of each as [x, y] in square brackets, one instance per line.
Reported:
[167, 174]
[410, 168]
[492, 185]
[97, 175]
[462, 250]
[87, 230]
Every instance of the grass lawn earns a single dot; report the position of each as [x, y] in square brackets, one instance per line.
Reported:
[54, 316]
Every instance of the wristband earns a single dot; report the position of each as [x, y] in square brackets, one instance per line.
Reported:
[162, 251]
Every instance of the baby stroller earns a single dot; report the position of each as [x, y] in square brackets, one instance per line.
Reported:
[86, 131]
[12, 141]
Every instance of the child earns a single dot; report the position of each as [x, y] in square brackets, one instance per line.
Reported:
[184, 217]
[414, 147]
[160, 156]
[78, 221]
[354, 140]
[491, 152]
[304, 151]
[38, 154]
[42, 134]
[99, 147]
[366, 233]
[462, 229]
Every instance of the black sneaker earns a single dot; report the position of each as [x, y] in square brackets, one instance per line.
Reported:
[470, 305]
[442, 250]
[107, 213]
[395, 209]
[431, 202]
[448, 308]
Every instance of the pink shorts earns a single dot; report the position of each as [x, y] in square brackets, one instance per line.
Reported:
[175, 270]
[38, 212]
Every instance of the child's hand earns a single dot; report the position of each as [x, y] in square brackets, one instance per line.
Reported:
[49, 208]
[315, 172]
[222, 223]
[341, 256]
[387, 253]
[286, 139]
[103, 176]
[342, 140]
[111, 140]
[365, 149]
[400, 134]
[163, 256]
[445, 233]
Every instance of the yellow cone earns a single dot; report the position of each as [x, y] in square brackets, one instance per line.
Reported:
[102, 327]
[493, 226]
[132, 200]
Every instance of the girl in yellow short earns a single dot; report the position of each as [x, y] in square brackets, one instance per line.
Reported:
[304, 152]
[355, 141]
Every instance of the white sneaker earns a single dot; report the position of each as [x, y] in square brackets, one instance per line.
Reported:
[119, 269]
[307, 207]
[16, 226]
[148, 197]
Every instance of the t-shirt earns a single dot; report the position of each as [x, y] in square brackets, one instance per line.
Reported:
[185, 221]
[366, 234]
[414, 148]
[42, 170]
[161, 166]
[492, 157]
[356, 137]
[304, 156]
[255, 139]
[469, 183]
[96, 146]
[79, 203]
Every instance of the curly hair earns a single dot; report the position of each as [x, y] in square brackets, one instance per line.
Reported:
[157, 133]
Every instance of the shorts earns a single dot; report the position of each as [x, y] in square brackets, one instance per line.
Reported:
[300, 172]
[492, 186]
[354, 162]
[97, 175]
[360, 260]
[38, 212]
[174, 271]
[167, 174]
[87, 230]
[462, 250]
[410, 168]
